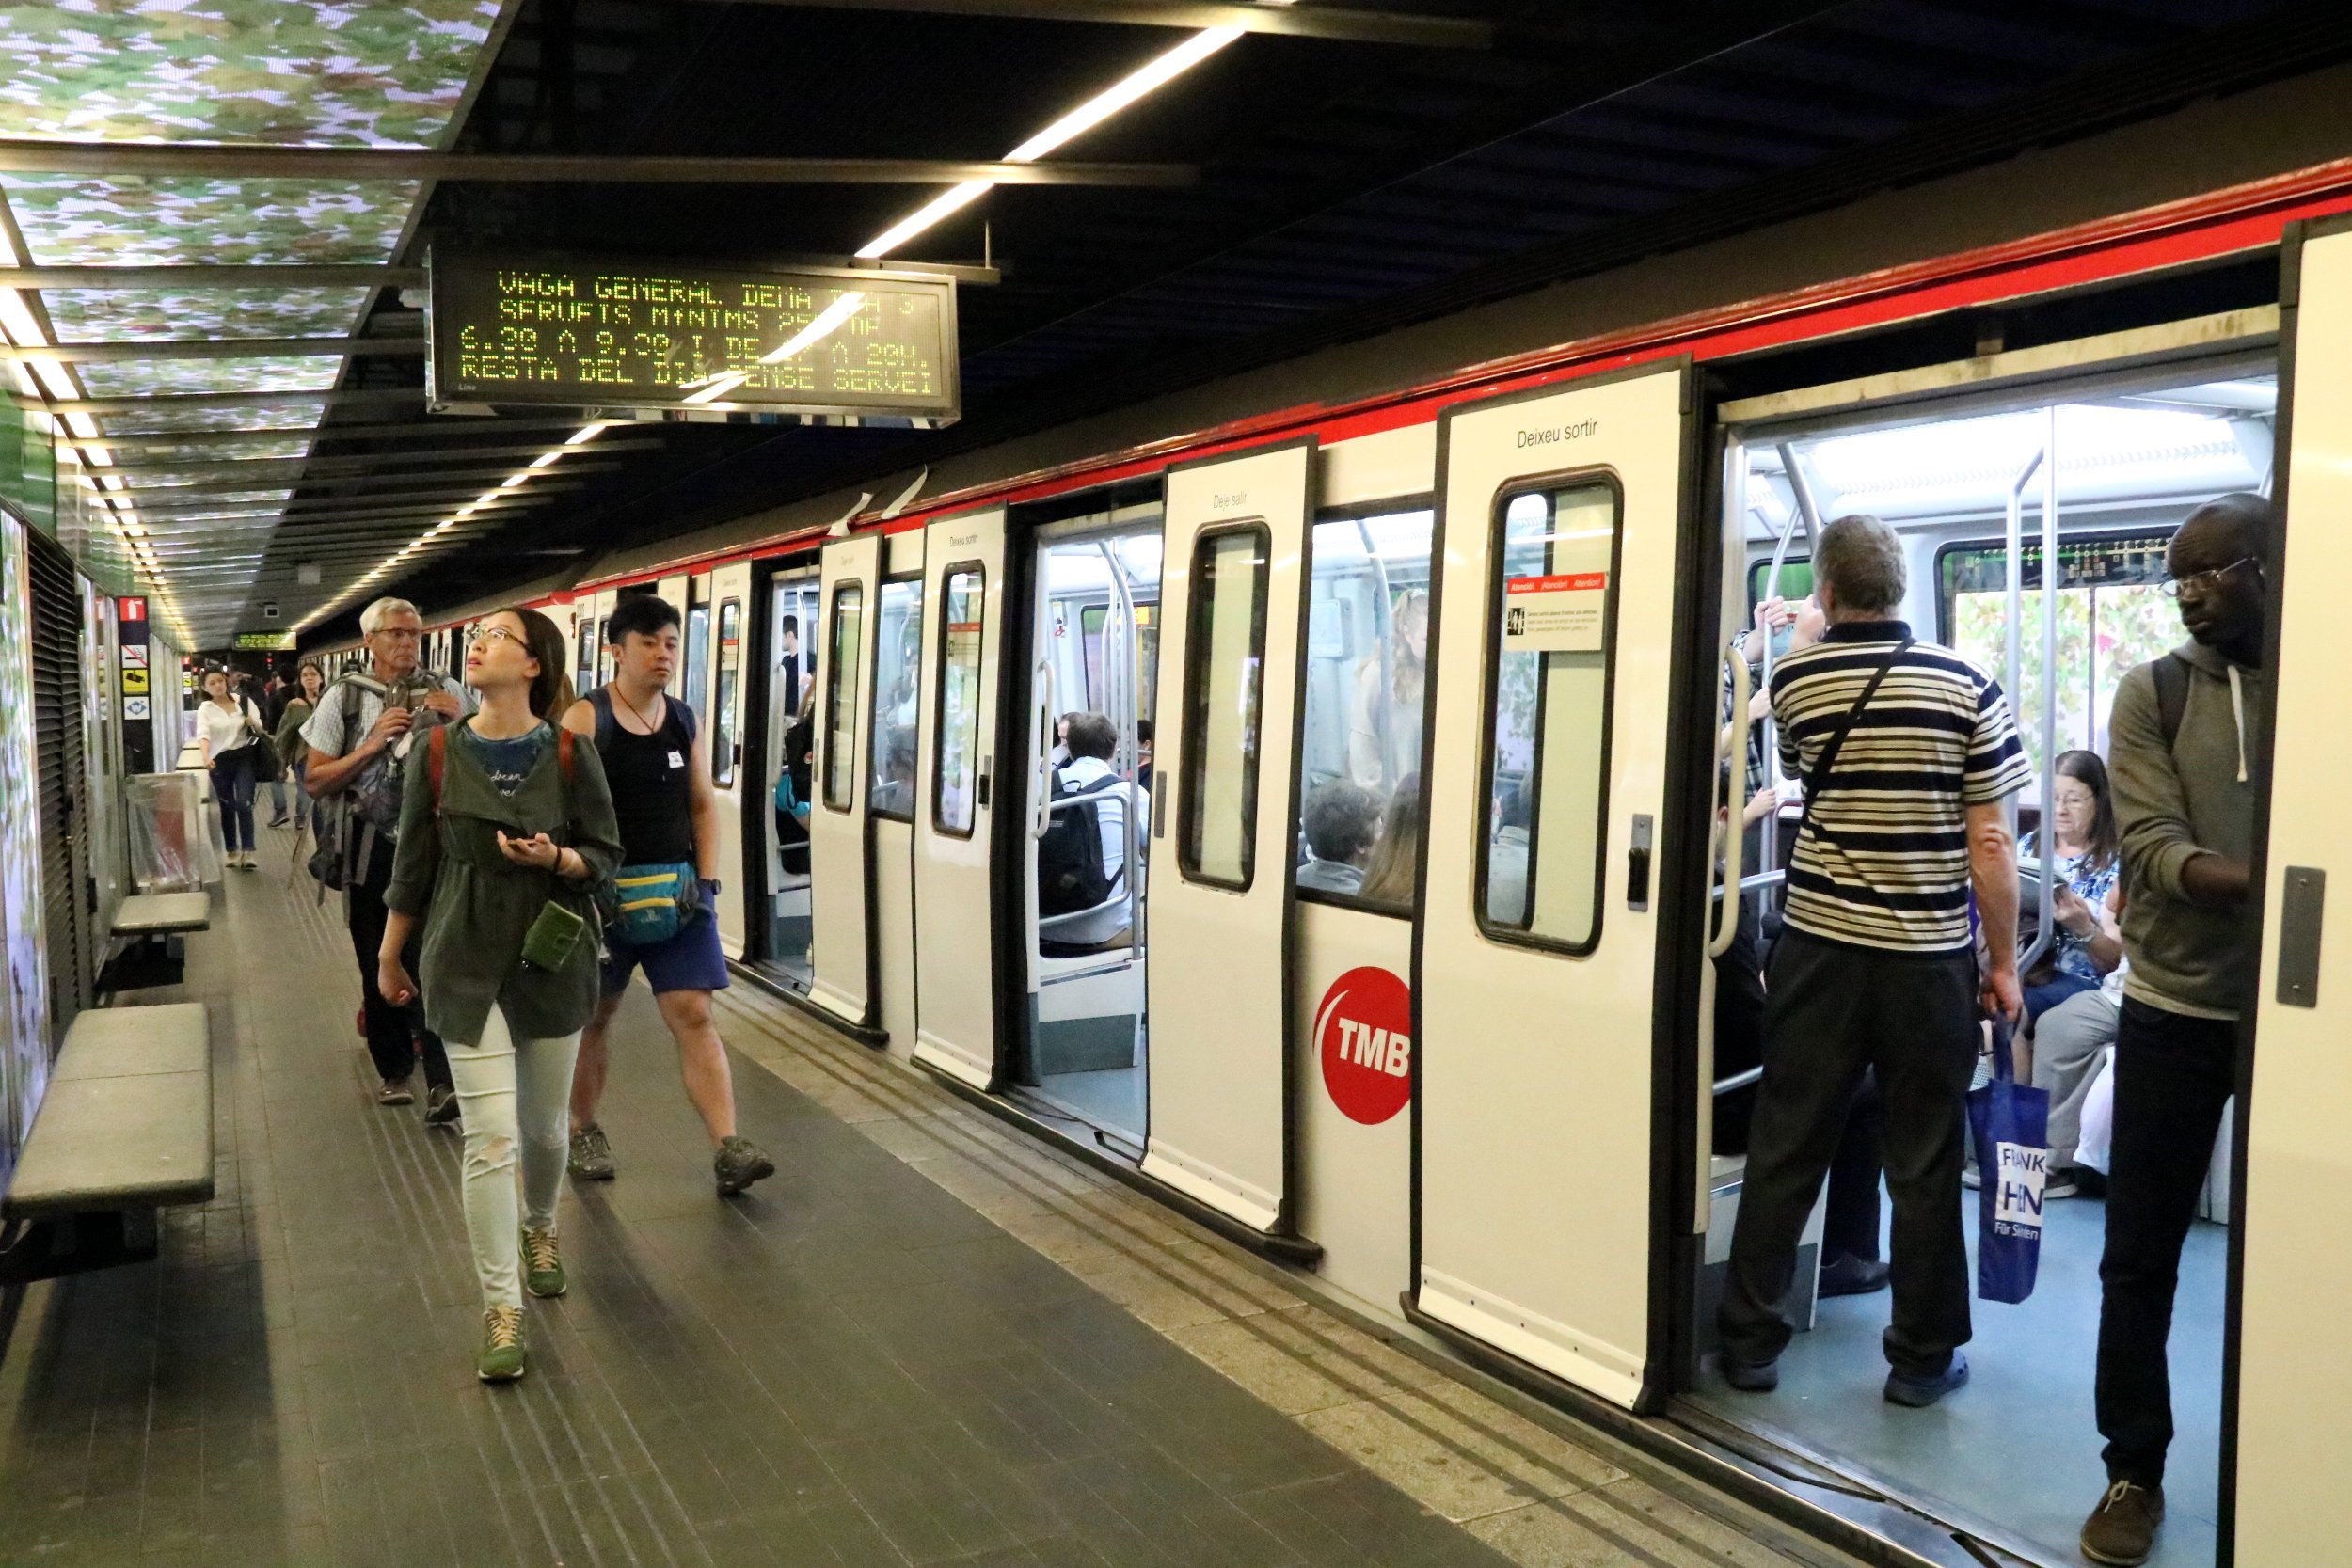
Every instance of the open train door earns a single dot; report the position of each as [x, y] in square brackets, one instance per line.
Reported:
[960, 737]
[1538, 1095]
[1232, 598]
[839, 849]
[2293, 1187]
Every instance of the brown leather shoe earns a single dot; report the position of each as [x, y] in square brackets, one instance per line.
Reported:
[2121, 1530]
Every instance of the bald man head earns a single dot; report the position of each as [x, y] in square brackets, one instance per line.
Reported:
[2220, 559]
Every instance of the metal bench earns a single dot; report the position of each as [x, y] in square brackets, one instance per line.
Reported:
[152, 924]
[125, 1129]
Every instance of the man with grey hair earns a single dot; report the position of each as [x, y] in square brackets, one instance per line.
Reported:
[1908, 754]
[359, 738]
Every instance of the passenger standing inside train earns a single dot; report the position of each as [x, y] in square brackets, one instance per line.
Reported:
[506, 828]
[357, 750]
[1909, 754]
[1384, 718]
[668, 826]
[1093, 740]
[2184, 757]
[227, 724]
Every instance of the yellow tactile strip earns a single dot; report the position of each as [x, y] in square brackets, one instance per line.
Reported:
[1526, 1489]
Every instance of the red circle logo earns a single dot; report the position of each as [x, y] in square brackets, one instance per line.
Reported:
[1364, 1033]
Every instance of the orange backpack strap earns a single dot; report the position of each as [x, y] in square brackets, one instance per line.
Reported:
[563, 738]
[435, 749]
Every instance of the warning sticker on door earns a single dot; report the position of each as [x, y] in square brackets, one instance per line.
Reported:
[1364, 1035]
[1555, 614]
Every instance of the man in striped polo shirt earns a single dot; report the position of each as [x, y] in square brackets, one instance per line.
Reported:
[1876, 968]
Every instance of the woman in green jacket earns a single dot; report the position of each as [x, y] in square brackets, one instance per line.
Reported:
[506, 830]
[311, 680]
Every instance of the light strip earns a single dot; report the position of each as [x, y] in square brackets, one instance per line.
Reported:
[828, 322]
[1085, 118]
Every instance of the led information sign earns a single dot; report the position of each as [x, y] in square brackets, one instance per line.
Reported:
[595, 333]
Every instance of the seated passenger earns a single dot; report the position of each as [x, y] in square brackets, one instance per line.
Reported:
[1102, 795]
[2088, 942]
[1388, 874]
[894, 791]
[1506, 858]
[1342, 822]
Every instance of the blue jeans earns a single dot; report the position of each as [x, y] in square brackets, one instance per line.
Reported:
[2042, 998]
[232, 791]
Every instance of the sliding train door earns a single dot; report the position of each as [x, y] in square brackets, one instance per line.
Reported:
[1537, 1105]
[956, 769]
[2294, 1367]
[722, 724]
[838, 844]
[1233, 593]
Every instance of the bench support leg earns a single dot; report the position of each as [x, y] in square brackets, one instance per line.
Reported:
[76, 1243]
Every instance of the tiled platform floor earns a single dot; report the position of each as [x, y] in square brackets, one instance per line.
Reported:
[927, 1339]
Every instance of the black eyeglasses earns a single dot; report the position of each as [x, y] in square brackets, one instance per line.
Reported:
[2206, 581]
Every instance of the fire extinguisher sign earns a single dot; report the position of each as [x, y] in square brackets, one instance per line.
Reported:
[1364, 1035]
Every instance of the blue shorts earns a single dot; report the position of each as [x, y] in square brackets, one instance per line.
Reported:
[689, 960]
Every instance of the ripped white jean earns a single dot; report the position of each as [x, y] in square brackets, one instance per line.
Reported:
[513, 1093]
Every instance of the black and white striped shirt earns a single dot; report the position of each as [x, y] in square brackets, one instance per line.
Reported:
[1882, 860]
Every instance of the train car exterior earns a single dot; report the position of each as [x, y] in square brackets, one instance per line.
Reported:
[1483, 1106]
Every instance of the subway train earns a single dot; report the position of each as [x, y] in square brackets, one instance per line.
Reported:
[1413, 657]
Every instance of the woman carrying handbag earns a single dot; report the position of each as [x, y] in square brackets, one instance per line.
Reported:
[505, 831]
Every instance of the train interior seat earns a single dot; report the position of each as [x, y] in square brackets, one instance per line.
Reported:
[2020, 1445]
[1097, 651]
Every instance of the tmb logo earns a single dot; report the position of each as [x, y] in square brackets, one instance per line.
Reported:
[1364, 1033]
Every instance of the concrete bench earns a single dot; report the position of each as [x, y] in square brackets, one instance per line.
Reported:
[125, 1129]
[152, 924]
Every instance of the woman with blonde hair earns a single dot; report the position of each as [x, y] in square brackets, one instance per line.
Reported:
[506, 828]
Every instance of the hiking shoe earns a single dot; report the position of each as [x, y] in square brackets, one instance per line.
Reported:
[2059, 1185]
[2121, 1530]
[441, 1105]
[543, 1265]
[277, 822]
[394, 1092]
[737, 1164]
[502, 1345]
[1751, 1377]
[1919, 1391]
[592, 1154]
[1848, 1275]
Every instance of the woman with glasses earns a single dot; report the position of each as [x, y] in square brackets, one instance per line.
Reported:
[504, 833]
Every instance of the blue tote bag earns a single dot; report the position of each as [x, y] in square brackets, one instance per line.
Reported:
[2010, 1124]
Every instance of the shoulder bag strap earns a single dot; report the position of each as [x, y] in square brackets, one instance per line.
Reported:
[1817, 777]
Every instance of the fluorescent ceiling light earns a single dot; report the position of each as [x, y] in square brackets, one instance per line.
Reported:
[546, 457]
[1085, 118]
[585, 433]
[512, 480]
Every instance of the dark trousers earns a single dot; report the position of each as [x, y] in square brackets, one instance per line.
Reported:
[396, 1035]
[232, 793]
[2172, 1075]
[1832, 1014]
[1849, 1221]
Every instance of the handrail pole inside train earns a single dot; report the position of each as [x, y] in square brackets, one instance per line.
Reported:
[2012, 673]
[1800, 511]
[2046, 933]
[1734, 801]
[1389, 774]
[1044, 750]
[1122, 691]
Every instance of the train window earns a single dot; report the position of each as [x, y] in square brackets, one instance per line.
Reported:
[722, 706]
[898, 665]
[587, 652]
[698, 656]
[958, 761]
[1553, 604]
[1217, 840]
[1796, 579]
[2111, 615]
[849, 641]
[1361, 743]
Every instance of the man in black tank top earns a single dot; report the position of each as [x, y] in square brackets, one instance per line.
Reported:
[669, 821]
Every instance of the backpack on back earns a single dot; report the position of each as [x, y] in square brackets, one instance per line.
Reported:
[345, 825]
[1069, 871]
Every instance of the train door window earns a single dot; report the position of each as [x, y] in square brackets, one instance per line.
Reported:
[587, 652]
[957, 775]
[1217, 841]
[722, 706]
[1360, 740]
[697, 654]
[1548, 715]
[897, 666]
[841, 671]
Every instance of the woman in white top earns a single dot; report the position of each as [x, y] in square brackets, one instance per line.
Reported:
[228, 726]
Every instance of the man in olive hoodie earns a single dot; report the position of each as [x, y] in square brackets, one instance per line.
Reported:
[2183, 757]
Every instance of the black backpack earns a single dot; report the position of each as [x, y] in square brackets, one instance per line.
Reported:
[1070, 872]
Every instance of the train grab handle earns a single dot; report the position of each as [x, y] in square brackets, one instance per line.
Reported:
[1734, 738]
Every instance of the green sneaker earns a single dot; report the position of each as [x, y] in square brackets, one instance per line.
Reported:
[543, 1266]
[739, 1164]
[502, 1345]
[592, 1155]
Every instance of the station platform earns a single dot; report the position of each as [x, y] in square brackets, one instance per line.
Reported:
[927, 1339]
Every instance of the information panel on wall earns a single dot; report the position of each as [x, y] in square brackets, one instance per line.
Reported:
[604, 334]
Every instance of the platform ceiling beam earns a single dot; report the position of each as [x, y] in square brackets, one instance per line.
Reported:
[406, 346]
[1303, 22]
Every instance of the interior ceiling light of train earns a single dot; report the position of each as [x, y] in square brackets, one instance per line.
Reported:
[238, 72]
